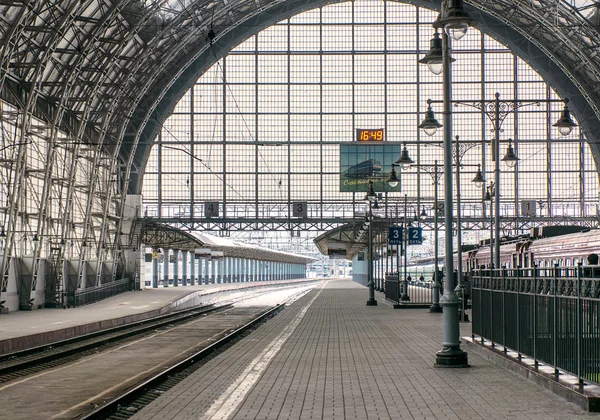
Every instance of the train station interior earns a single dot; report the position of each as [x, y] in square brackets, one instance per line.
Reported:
[434, 159]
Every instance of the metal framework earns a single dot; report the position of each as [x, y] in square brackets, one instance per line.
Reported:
[87, 85]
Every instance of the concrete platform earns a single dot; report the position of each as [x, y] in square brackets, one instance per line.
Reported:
[24, 329]
[329, 356]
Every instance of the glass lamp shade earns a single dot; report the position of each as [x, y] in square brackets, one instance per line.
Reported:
[393, 180]
[405, 159]
[565, 123]
[510, 159]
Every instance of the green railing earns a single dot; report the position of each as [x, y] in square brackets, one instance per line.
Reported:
[550, 314]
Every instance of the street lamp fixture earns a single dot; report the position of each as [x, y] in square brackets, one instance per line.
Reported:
[430, 124]
[371, 196]
[510, 158]
[433, 59]
[454, 19]
[393, 179]
[405, 159]
[565, 123]
[479, 180]
[488, 195]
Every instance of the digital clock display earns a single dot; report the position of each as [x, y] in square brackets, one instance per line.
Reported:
[369, 134]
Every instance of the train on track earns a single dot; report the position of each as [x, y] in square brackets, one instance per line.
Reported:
[543, 247]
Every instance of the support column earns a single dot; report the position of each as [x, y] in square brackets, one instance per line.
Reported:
[176, 268]
[243, 272]
[233, 270]
[184, 274]
[213, 275]
[192, 268]
[155, 268]
[166, 267]
[228, 265]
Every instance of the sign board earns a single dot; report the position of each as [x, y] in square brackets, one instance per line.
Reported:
[361, 163]
[415, 236]
[216, 255]
[440, 207]
[300, 209]
[395, 235]
[202, 252]
[528, 208]
[211, 209]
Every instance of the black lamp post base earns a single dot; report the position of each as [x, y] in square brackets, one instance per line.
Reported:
[451, 358]
[371, 303]
[435, 308]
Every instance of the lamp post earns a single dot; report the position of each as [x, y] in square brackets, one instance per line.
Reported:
[405, 297]
[432, 170]
[403, 162]
[489, 194]
[455, 22]
[371, 198]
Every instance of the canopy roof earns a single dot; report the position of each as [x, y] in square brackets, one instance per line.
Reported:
[160, 235]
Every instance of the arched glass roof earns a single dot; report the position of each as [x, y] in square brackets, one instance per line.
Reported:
[271, 124]
[97, 78]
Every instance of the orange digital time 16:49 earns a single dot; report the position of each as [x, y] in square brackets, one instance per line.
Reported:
[369, 134]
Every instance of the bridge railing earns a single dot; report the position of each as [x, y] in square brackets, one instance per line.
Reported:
[550, 314]
[96, 293]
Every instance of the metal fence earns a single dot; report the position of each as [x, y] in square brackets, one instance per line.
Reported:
[418, 292]
[550, 314]
[96, 293]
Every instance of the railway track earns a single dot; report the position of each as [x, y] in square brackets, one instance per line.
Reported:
[129, 403]
[26, 362]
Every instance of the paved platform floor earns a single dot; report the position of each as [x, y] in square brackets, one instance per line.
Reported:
[329, 356]
[22, 323]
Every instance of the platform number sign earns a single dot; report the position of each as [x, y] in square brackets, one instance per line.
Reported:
[415, 236]
[211, 209]
[395, 235]
[528, 207]
[299, 209]
[440, 207]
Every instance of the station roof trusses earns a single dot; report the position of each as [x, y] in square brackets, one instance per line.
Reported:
[351, 238]
[160, 235]
[232, 248]
[120, 67]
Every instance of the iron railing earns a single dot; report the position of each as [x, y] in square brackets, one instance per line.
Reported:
[96, 293]
[418, 291]
[550, 314]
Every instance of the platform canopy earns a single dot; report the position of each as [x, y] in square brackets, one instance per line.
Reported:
[161, 235]
[237, 249]
[348, 240]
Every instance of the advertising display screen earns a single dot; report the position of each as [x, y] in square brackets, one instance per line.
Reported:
[360, 163]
